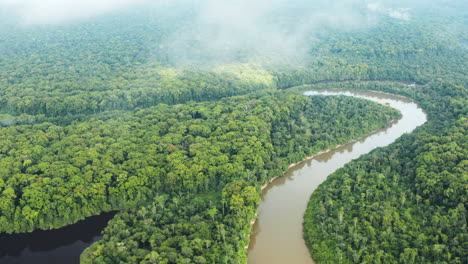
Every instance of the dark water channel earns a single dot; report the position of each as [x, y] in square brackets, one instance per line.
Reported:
[60, 246]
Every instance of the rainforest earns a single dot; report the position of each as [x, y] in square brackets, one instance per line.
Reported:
[159, 131]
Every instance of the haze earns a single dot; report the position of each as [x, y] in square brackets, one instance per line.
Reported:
[231, 31]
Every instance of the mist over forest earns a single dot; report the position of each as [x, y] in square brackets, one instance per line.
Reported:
[165, 120]
[209, 32]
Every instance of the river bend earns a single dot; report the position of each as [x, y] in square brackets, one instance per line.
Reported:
[277, 233]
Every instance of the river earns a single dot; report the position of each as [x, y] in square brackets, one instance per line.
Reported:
[277, 233]
[60, 246]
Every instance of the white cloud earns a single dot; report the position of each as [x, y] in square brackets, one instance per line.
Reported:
[225, 30]
[401, 13]
[57, 11]
[270, 30]
[374, 7]
[397, 13]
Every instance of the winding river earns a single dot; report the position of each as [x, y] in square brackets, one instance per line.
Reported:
[277, 233]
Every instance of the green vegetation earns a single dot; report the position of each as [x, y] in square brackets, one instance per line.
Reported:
[138, 160]
[88, 68]
[94, 119]
[252, 140]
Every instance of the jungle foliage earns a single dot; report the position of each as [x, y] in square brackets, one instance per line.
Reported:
[95, 119]
[56, 175]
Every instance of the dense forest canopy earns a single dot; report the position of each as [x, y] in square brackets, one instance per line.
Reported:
[170, 112]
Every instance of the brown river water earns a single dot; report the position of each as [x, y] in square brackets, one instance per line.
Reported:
[277, 233]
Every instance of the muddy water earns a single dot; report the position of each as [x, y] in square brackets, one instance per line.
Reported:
[277, 234]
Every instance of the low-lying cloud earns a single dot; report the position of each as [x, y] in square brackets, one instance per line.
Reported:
[224, 31]
[60, 11]
[269, 31]
[397, 13]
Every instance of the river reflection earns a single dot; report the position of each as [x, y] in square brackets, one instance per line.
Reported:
[59, 246]
[277, 234]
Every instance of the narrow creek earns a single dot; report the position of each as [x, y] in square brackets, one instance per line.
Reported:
[277, 233]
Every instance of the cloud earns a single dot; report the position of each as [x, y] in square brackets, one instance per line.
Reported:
[401, 13]
[397, 13]
[59, 11]
[223, 31]
[271, 31]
